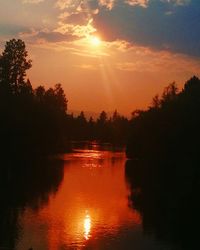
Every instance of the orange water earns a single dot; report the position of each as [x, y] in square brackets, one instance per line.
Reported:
[90, 207]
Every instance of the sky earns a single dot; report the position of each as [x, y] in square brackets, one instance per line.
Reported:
[107, 54]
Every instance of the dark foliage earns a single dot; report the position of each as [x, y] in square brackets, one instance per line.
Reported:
[164, 176]
[32, 121]
[29, 184]
[170, 126]
[166, 192]
[112, 130]
[35, 121]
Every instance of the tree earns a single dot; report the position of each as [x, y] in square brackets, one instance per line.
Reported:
[169, 93]
[26, 89]
[81, 118]
[13, 65]
[102, 118]
[115, 116]
[40, 93]
[192, 85]
[156, 102]
[32, 120]
[60, 97]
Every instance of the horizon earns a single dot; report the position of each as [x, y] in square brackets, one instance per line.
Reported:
[123, 52]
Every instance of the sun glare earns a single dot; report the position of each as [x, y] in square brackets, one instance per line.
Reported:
[95, 41]
[87, 227]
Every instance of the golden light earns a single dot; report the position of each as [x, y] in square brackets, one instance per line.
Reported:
[95, 41]
[87, 227]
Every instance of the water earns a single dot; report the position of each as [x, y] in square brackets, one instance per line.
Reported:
[81, 204]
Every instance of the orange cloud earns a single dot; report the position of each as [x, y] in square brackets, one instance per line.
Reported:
[143, 3]
[32, 1]
[107, 3]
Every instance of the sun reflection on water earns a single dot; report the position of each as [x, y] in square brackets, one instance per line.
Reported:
[79, 215]
[87, 227]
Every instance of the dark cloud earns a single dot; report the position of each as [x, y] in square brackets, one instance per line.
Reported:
[12, 30]
[55, 36]
[172, 25]
[33, 36]
[162, 25]
[78, 18]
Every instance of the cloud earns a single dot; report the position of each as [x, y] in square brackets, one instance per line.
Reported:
[109, 4]
[148, 60]
[79, 31]
[153, 26]
[73, 41]
[63, 4]
[142, 3]
[145, 3]
[72, 5]
[171, 25]
[34, 36]
[177, 2]
[32, 1]
[12, 30]
[86, 66]
[76, 17]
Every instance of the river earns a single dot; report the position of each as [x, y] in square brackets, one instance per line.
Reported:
[86, 206]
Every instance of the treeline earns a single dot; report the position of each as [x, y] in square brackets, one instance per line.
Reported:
[164, 173]
[112, 129]
[170, 126]
[32, 120]
[36, 120]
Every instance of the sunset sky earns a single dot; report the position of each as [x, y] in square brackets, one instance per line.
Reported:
[108, 54]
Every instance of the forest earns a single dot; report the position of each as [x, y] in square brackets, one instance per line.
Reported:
[163, 170]
[170, 126]
[162, 147]
[36, 120]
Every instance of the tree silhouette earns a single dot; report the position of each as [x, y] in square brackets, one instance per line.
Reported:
[156, 102]
[39, 94]
[170, 125]
[169, 93]
[102, 118]
[32, 121]
[61, 100]
[14, 64]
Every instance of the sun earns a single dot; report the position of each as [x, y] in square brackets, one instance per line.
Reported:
[95, 41]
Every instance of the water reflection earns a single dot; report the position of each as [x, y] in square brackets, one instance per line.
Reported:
[27, 186]
[87, 226]
[166, 193]
[90, 207]
[79, 204]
